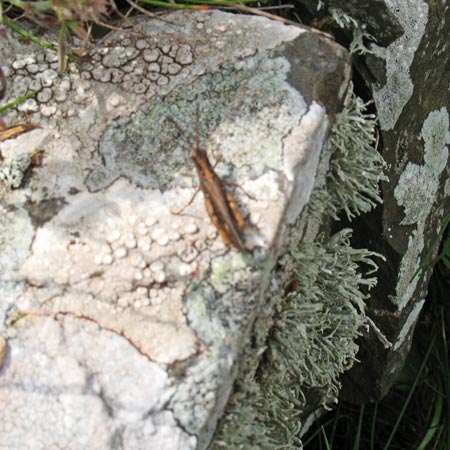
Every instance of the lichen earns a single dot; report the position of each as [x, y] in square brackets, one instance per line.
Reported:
[359, 31]
[320, 308]
[311, 343]
[416, 192]
[393, 96]
[356, 168]
[12, 174]
[165, 129]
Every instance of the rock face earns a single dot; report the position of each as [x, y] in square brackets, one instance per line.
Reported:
[121, 321]
[410, 84]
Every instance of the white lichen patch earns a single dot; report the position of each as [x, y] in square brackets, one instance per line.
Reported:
[87, 249]
[61, 366]
[409, 323]
[13, 172]
[416, 192]
[393, 96]
[360, 34]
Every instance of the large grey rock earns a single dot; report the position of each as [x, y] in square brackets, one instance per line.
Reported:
[122, 323]
[410, 84]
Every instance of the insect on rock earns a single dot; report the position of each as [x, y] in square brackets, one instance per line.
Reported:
[219, 202]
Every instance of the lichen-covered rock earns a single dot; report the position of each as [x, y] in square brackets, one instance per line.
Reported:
[374, 16]
[410, 83]
[118, 316]
[318, 300]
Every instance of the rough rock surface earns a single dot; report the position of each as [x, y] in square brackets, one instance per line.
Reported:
[118, 318]
[410, 83]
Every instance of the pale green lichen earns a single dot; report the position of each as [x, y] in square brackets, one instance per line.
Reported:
[416, 191]
[395, 93]
[360, 34]
[312, 338]
[311, 343]
[153, 145]
[356, 168]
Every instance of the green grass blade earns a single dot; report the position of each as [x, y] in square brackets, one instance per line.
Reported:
[34, 39]
[359, 429]
[29, 36]
[38, 6]
[411, 391]
[433, 428]
[324, 435]
[62, 54]
[17, 101]
[373, 427]
[446, 377]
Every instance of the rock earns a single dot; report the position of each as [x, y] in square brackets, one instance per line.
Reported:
[411, 90]
[375, 16]
[121, 318]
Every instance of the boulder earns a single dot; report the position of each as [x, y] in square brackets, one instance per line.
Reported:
[124, 316]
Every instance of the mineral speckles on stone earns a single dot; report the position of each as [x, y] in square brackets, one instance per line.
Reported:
[28, 106]
[150, 221]
[160, 236]
[144, 243]
[135, 67]
[120, 252]
[130, 241]
[113, 236]
[188, 253]
[42, 78]
[44, 96]
[191, 228]
[133, 251]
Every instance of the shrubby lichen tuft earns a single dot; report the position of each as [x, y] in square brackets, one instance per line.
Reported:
[344, 21]
[311, 343]
[320, 310]
[356, 166]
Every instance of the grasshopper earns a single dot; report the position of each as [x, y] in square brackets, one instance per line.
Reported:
[219, 202]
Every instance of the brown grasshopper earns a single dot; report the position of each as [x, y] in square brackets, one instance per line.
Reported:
[219, 202]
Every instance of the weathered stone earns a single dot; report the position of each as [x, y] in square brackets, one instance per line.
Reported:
[412, 97]
[377, 17]
[122, 318]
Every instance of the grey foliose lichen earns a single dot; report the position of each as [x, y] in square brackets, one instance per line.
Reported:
[320, 310]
